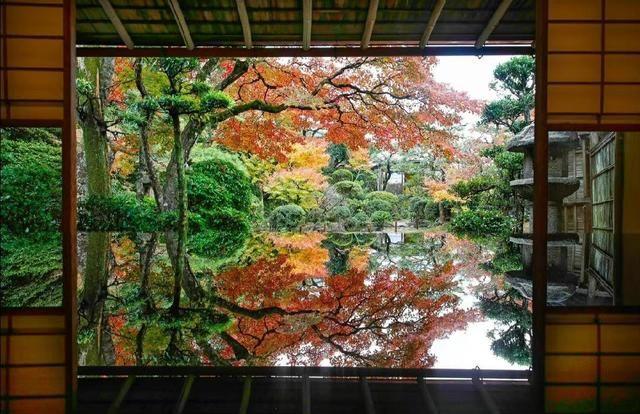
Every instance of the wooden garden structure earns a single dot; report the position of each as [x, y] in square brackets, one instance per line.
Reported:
[588, 79]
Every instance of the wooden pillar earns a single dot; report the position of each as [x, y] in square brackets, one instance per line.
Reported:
[69, 201]
[540, 198]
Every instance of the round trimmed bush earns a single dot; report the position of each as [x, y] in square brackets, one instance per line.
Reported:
[380, 218]
[220, 203]
[367, 179]
[341, 175]
[287, 217]
[340, 213]
[349, 189]
[361, 219]
[482, 223]
[384, 196]
[377, 205]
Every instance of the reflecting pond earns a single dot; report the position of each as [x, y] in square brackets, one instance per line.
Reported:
[425, 299]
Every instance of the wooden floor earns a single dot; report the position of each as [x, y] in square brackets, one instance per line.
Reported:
[228, 394]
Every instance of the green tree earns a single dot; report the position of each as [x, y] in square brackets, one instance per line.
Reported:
[511, 340]
[339, 154]
[96, 113]
[515, 82]
[482, 223]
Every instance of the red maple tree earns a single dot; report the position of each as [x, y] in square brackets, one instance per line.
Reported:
[358, 102]
[388, 318]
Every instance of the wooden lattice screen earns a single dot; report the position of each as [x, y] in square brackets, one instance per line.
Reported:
[603, 183]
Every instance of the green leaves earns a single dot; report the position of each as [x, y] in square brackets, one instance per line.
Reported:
[215, 100]
[287, 217]
[84, 87]
[516, 75]
[181, 104]
[384, 196]
[122, 212]
[174, 67]
[341, 174]
[31, 197]
[508, 113]
[515, 80]
[220, 202]
[482, 223]
[351, 189]
[380, 218]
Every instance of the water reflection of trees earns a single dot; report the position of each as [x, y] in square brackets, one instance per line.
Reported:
[302, 299]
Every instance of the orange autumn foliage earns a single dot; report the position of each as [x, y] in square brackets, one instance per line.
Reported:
[388, 318]
[382, 101]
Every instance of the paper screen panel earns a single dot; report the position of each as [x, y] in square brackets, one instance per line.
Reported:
[593, 64]
[32, 62]
[592, 362]
[32, 361]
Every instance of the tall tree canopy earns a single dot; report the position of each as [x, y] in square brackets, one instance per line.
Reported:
[515, 82]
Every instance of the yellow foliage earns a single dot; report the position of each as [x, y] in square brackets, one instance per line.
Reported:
[359, 259]
[305, 253]
[359, 159]
[312, 154]
[439, 191]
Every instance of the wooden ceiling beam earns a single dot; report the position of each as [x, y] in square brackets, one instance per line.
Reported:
[368, 25]
[182, 23]
[117, 23]
[433, 19]
[233, 52]
[493, 22]
[306, 24]
[244, 21]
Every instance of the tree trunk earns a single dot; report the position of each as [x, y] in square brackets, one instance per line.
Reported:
[181, 207]
[94, 293]
[386, 175]
[96, 152]
[94, 128]
[442, 215]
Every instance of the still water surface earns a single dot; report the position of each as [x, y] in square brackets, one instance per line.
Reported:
[371, 299]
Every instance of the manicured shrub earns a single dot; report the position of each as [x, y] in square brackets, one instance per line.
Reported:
[367, 179]
[361, 220]
[481, 223]
[380, 218]
[375, 204]
[218, 233]
[417, 205]
[219, 182]
[384, 196]
[287, 217]
[350, 189]
[339, 213]
[341, 175]
[220, 197]
[423, 209]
